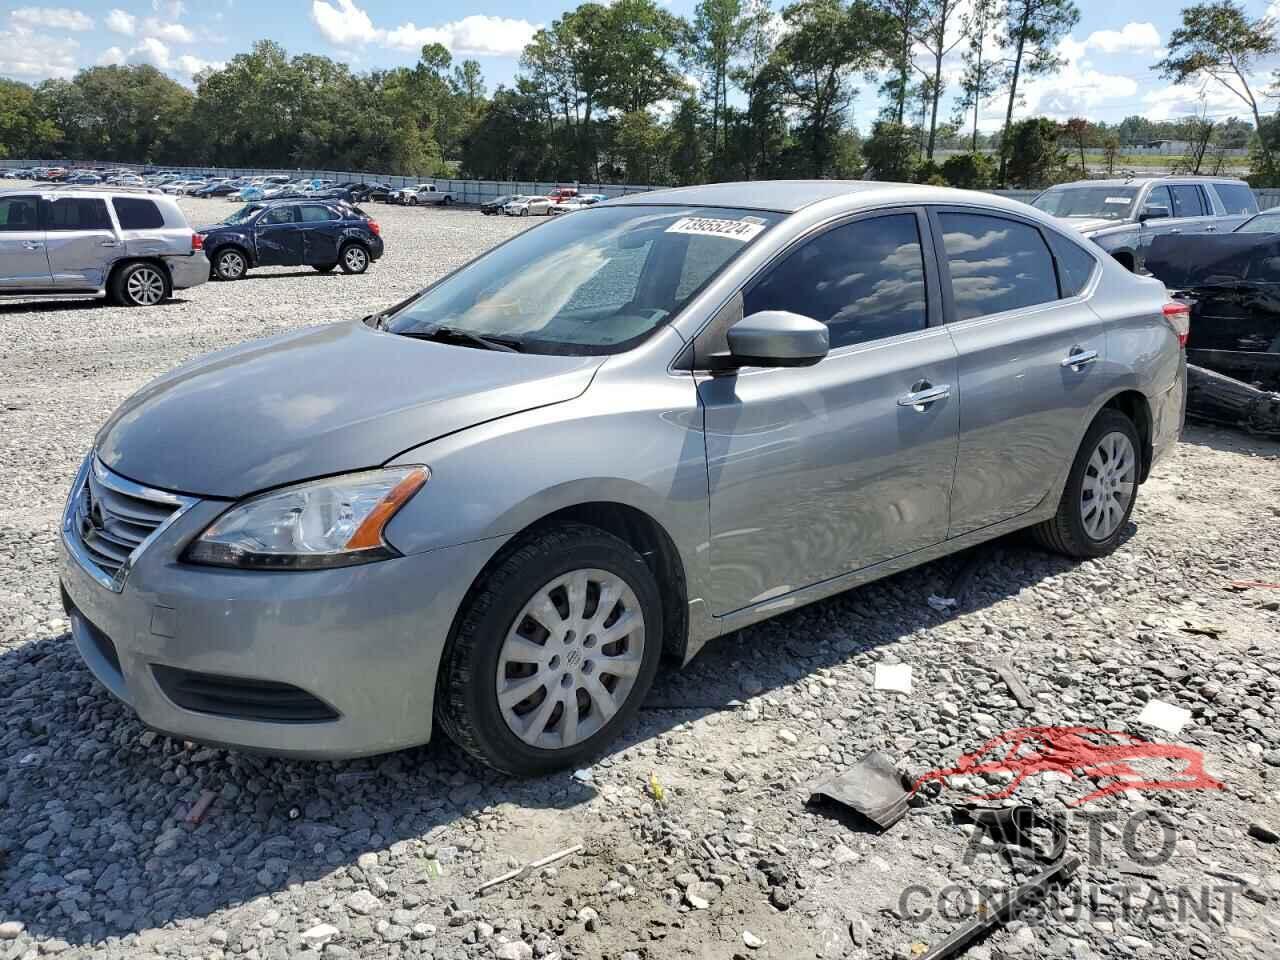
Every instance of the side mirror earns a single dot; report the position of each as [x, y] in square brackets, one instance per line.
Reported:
[1153, 212]
[776, 338]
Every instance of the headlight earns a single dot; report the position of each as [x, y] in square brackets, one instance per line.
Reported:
[328, 523]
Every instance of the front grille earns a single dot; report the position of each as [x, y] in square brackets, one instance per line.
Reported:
[111, 517]
[241, 698]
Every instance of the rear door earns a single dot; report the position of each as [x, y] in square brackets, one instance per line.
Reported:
[24, 262]
[280, 238]
[1191, 209]
[1027, 358]
[818, 471]
[321, 230]
[81, 240]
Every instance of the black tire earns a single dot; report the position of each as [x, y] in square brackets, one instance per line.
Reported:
[354, 258]
[230, 263]
[140, 285]
[446, 201]
[524, 211]
[324, 267]
[413, 201]
[466, 701]
[1065, 532]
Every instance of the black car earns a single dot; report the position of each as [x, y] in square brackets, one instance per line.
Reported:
[494, 206]
[320, 233]
[365, 192]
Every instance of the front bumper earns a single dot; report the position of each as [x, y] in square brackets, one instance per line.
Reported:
[188, 271]
[365, 641]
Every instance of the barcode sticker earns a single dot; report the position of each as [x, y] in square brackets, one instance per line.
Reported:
[708, 227]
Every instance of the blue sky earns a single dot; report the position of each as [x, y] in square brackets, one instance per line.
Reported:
[1106, 76]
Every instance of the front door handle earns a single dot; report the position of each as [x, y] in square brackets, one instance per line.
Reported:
[109, 243]
[924, 393]
[1079, 358]
[33, 244]
[1175, 229]
[1211, 229]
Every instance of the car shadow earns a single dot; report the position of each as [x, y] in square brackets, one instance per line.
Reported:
[97, 303]
[93, 834]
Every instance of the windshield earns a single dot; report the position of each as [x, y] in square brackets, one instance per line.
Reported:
[243, 215]
[1107, 203]
[1263, 223]
[596, 283]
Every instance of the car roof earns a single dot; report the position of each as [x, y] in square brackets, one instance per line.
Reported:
[1140, 181]
[789, 196]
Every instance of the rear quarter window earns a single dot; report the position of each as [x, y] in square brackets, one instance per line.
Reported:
[134, 213]
[1236, 198]
[1075, 264]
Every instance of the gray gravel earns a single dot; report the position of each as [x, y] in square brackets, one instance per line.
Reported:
[380, 857]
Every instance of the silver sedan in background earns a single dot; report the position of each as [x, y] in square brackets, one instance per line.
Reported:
[501, 505]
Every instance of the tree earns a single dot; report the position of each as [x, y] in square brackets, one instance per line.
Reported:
[825, 43]
[24, 132]
[938, 37]
[903, 18]
[1110, 150]
[969, 171]
[638, 139]
[1220, 42]
[1032, 29]
[981, 77]
[719, 30]
[1030, 152]
[890, 151]
[638, 45]
[1080, 132]
[685, 147]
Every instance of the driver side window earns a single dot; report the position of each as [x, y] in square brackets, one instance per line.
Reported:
[1158, 203]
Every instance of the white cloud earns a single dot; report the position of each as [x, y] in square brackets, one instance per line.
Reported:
[56, 18]
[344, 24]
[190, 66]
[173, 9]
[110, 57]
[169, 32]
[152, 51]
[1188, 99]
[494, 36]
[36, 56]
[1077, 89]
[118, 21]
[1131, 38]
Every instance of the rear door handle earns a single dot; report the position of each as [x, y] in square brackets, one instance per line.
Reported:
[923, 394]
[1175, 230]
[110, 243]
[1079, 358]
[33, 244]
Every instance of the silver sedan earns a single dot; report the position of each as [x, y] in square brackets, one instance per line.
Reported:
[500, 507]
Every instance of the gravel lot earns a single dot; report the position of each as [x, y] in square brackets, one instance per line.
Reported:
[381, 857]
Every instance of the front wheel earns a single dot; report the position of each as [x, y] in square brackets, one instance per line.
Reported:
[354, 258]
[524, 212]
[553, 653]
[1100, 493]
[230, 264]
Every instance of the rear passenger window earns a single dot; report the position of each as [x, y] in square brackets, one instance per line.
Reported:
[996, 264]
[1187, 201]
[76, 213]
[137, 214]
[864, 280]
[18, 213]
[1075, 264]
[1236, 198]
[314, 213]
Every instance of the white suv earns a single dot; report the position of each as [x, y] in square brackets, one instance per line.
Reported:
[135, 248]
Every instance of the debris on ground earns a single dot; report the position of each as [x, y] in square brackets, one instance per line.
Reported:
[1017, 688]
[893, 677]
[524, 871]
[873, 786]
[201, 807]
[942, 604]
[1164, 716]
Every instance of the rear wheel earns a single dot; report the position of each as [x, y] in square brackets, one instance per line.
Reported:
[140, 285]
[1100, 493]
[230, 264]
[553, 653]
[353, 258]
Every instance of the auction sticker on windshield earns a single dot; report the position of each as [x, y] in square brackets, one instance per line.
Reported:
[710, 227]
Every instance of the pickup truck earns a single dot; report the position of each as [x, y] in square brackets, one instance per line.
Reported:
[422, 193]
[1125, 216]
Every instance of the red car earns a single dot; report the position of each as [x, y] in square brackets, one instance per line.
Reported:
[561, 194]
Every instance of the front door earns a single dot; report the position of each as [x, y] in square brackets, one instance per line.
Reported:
[281, 242]
[818, 471]
[1023, 402]
[24, 262]
[81, 240]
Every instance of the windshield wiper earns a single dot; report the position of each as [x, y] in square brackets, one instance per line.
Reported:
[454, 335]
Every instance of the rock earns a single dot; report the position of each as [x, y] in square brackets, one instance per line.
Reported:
[317, 936]
[780, 898]
[363, 902]
[588, 917]
[751, 940]
[11, 929]
[787, 737]
[513, 950]
[1264, 832]
[701, 894]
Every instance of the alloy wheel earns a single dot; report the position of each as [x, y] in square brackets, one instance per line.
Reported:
[145, 287]
[570, 658]
[1108, 485]
[356, 259]
[231, 265]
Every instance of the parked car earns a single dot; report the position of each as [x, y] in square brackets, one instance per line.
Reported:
[529, 206]
[286, 233]
[367, 192]
[223, 189]
[83, 178]
[562, 194]
[386, 551]
[1123, 216]
[577, 203]
[133, 249]
[1268, 221]
[495, 206]
[423, 193]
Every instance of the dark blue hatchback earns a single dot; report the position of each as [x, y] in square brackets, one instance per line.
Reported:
[319, 233]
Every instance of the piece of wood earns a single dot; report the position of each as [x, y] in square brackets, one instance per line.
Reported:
[528, 868]
[201, 807]
[1017, 688]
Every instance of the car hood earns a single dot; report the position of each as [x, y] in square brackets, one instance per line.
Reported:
[317, 402]
[1091, 224]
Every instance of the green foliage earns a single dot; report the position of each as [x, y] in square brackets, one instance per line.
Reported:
[969, 171]
[891, 151]
[1030, 153]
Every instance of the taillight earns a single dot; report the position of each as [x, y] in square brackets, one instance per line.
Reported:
[197, 242]
[1178, 316]
[374, 228]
